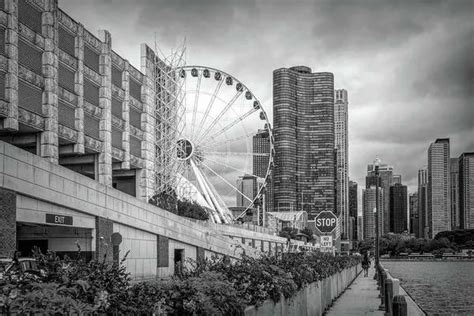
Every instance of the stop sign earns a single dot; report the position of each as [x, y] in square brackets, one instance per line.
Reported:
[326, 222]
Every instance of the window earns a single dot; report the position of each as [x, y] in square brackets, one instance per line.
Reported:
[91, 92]
[66, 41]
[135, 89]
[66, 78]
[29, 16]
[117, 77]
[30, 57]
[91, 58]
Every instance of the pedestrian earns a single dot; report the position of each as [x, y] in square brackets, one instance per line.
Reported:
[366, 264]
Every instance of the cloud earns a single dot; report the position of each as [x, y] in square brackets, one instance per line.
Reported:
[407, 65]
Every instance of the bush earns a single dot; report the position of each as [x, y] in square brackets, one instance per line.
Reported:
[209, 287]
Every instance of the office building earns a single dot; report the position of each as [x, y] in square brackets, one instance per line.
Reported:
[368, 210]
[342, 161]
[398, 208]
[397, 178]
[466, 190]
[454, 187]
[246, 186]
[353, 195]
[386, 180]
[414, 218]
[423, 203]
[303, 121]
[439, 190]
[260, 165]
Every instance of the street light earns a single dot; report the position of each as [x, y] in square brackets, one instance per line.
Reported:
[377, 165]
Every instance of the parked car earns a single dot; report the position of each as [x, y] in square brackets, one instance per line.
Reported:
[22, 268]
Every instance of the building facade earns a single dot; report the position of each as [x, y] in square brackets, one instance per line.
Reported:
[261, 165]
[69, 98]
[368, 210]
[386, 180]
[439, 187]
[454, 187]
[353, 204]
[466, 190]
[246, 190]
[414, 218]
[342, 161]
[398, 208]
[423, 203]
[303, 121]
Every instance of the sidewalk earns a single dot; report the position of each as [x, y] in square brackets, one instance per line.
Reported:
[361, 298]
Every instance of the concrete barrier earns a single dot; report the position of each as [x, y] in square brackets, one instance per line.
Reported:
[314, 299]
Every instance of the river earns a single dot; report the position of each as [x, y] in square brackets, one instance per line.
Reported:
[438, 287]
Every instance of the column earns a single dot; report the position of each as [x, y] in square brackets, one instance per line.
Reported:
[104, 229]
[11, 77]
[105, 102]
[79, 89]
[49, 137]
[147, 174]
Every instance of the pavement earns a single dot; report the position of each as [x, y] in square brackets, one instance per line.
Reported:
[360, 298]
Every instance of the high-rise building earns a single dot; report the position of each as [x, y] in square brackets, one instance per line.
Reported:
[422, 203]
[398, 208]
[368, 210]
[360, 228]
[353, 206]
[466, 190]
[303, 119]
[439, 193]
[246, 185]
[261, 145]
[397, 178]
[386, 180]
[342, 161]
[414, 218]
[454, 187]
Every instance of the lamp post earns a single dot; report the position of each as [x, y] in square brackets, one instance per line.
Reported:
[377, 233]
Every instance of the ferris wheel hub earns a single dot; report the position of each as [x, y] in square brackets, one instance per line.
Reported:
[185, 149]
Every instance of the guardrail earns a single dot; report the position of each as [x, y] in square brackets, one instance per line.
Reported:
[393, 299]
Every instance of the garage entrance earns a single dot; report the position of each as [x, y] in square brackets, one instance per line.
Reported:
[60, 239]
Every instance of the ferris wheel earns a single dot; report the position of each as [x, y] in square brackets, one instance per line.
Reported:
[225, 150]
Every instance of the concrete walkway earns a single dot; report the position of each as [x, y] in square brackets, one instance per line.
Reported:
[361, 298]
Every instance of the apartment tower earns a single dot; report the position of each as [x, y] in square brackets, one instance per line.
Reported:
[439, 193]
[303, 110]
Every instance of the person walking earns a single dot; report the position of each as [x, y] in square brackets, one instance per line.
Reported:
[366, 264]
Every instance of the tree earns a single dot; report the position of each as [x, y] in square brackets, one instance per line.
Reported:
[288, 232]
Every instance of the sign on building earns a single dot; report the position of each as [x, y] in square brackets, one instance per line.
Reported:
[325, 222]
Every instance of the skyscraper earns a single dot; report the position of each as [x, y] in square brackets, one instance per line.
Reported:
[454, 187]
[397, 178]
[439, 195]
[386, 180]
[423, 203]
[261, 145]
[246, 185]
[353, 207]
[303, 119]
[342, 162]
[398, 208]
[466, 190]
[414, 218]
[368, 208]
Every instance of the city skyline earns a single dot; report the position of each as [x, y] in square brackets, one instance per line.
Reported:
[400, 46]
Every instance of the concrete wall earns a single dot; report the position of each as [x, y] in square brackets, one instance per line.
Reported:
[314, 299]
[43, 187]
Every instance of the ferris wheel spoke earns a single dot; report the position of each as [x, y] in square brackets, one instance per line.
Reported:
[227, 182]
[225, 141]
[230, 125]
[232, 167]
[208, 108]
[235, 153]
[226, 108]
[196, 100]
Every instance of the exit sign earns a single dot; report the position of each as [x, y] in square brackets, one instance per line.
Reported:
[58, 219]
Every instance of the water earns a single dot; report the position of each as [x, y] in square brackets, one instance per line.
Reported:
[439, 287]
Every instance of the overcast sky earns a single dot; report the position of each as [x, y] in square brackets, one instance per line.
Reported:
[407, 65]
